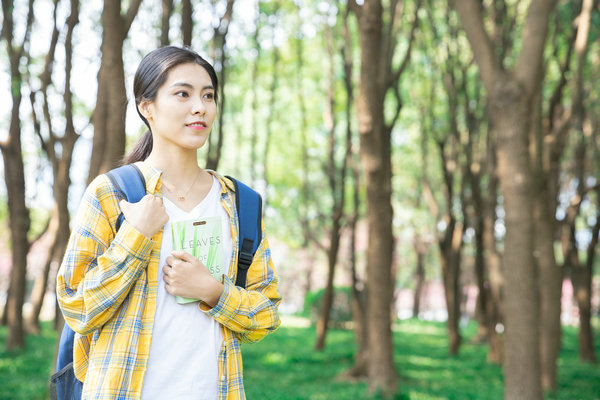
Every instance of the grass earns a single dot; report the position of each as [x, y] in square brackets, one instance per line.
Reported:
[24, 375]
[284, 366]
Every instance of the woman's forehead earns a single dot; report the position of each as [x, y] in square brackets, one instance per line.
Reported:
[188, 74]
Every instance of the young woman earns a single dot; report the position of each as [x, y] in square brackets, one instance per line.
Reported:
[120, 291]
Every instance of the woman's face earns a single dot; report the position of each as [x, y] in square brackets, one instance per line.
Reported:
[184, 109]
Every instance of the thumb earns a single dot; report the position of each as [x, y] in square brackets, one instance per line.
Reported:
[183, 255]
[124, 205]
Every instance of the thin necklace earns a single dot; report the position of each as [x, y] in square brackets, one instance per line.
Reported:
[171, 188]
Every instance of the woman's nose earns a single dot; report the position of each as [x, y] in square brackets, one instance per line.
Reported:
[198, 107]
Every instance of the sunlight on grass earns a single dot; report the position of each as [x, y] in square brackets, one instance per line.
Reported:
[285, 366]
[275, 358]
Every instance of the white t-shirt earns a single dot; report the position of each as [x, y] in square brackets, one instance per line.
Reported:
[183, 361]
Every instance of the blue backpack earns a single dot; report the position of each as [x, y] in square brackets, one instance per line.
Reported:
[131, 186]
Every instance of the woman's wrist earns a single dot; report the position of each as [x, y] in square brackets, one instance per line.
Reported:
[214, 292]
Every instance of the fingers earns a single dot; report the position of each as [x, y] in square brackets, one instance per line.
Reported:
[148, 215]
[183, 255]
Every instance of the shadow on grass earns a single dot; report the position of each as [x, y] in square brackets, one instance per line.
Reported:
[24, 374]
[284, 366]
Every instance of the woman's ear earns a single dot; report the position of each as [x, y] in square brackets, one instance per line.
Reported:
[144, 108]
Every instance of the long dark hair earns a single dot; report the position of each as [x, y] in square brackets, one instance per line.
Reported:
[151, 74]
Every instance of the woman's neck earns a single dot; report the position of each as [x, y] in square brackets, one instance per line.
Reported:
[178, 168]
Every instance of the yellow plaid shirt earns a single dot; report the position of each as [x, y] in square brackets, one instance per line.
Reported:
[107, 284]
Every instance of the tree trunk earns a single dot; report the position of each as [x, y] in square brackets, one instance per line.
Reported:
[61, 163]
[420, 248]
[375, 152]
[495, 277]
[220, 59]
[550, 284]
[336, 176]
[255, 110]
[510, 96]
[41, 282]
[14, 176]
[111, 98]
[19, 226]
[450, 249]
[582, 282]
[271, 112]
[187, 22]
[165, 25]
[510, 111]
[360, 367]
[581, 278]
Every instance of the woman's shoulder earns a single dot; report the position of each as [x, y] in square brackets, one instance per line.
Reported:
[101, 196]
[101, 188]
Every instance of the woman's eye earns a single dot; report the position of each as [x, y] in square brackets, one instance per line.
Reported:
[181, 94]
[209, 96]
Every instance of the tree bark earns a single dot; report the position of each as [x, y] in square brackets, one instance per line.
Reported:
[220, 59]
[15, 179]
[337, 209]
[187, 22]
[522, 363]
[165, 24]
[493, 259]
[377, 77]
[582, 282]
[271, 113]
[61, 163]
[336, 176]
[511, 94]
[111, 98]
[375, 152]
[359, 368]
[420, 248]
[450, 249]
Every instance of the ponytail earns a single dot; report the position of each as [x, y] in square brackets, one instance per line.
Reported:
[141, 150]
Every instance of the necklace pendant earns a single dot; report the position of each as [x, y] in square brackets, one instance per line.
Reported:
[180, 198]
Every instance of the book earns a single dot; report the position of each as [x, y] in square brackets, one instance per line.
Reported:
[202, 239]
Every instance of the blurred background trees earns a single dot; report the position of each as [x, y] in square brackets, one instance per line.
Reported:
[400, 146]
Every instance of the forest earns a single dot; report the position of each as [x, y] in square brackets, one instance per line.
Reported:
[399, 146]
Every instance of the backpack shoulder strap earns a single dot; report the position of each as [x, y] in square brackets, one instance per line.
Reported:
[248, 205]
[130, 184]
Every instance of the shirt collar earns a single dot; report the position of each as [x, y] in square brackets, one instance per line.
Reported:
[151, 175]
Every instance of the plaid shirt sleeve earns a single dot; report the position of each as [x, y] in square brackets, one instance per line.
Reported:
[99, 268]
[251, 313]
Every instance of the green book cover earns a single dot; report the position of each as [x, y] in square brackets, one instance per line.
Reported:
[201, 238]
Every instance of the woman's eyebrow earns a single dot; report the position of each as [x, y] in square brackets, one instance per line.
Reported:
[190, 86]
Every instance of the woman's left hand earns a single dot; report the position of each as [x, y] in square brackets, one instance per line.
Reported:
[186, 276]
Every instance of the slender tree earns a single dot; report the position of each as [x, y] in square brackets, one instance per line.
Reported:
[254, 102]
[59, 150]
[560, 120]
[111, 99]
[14, 174]
[511, 93]
[272, 112]
[378, 38]
[336, 178]
[451, 213]
[219, 55]
[359, 368]
[187, 21]
[165, 21]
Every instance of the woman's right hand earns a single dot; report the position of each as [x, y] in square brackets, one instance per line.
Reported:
[147, 216]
